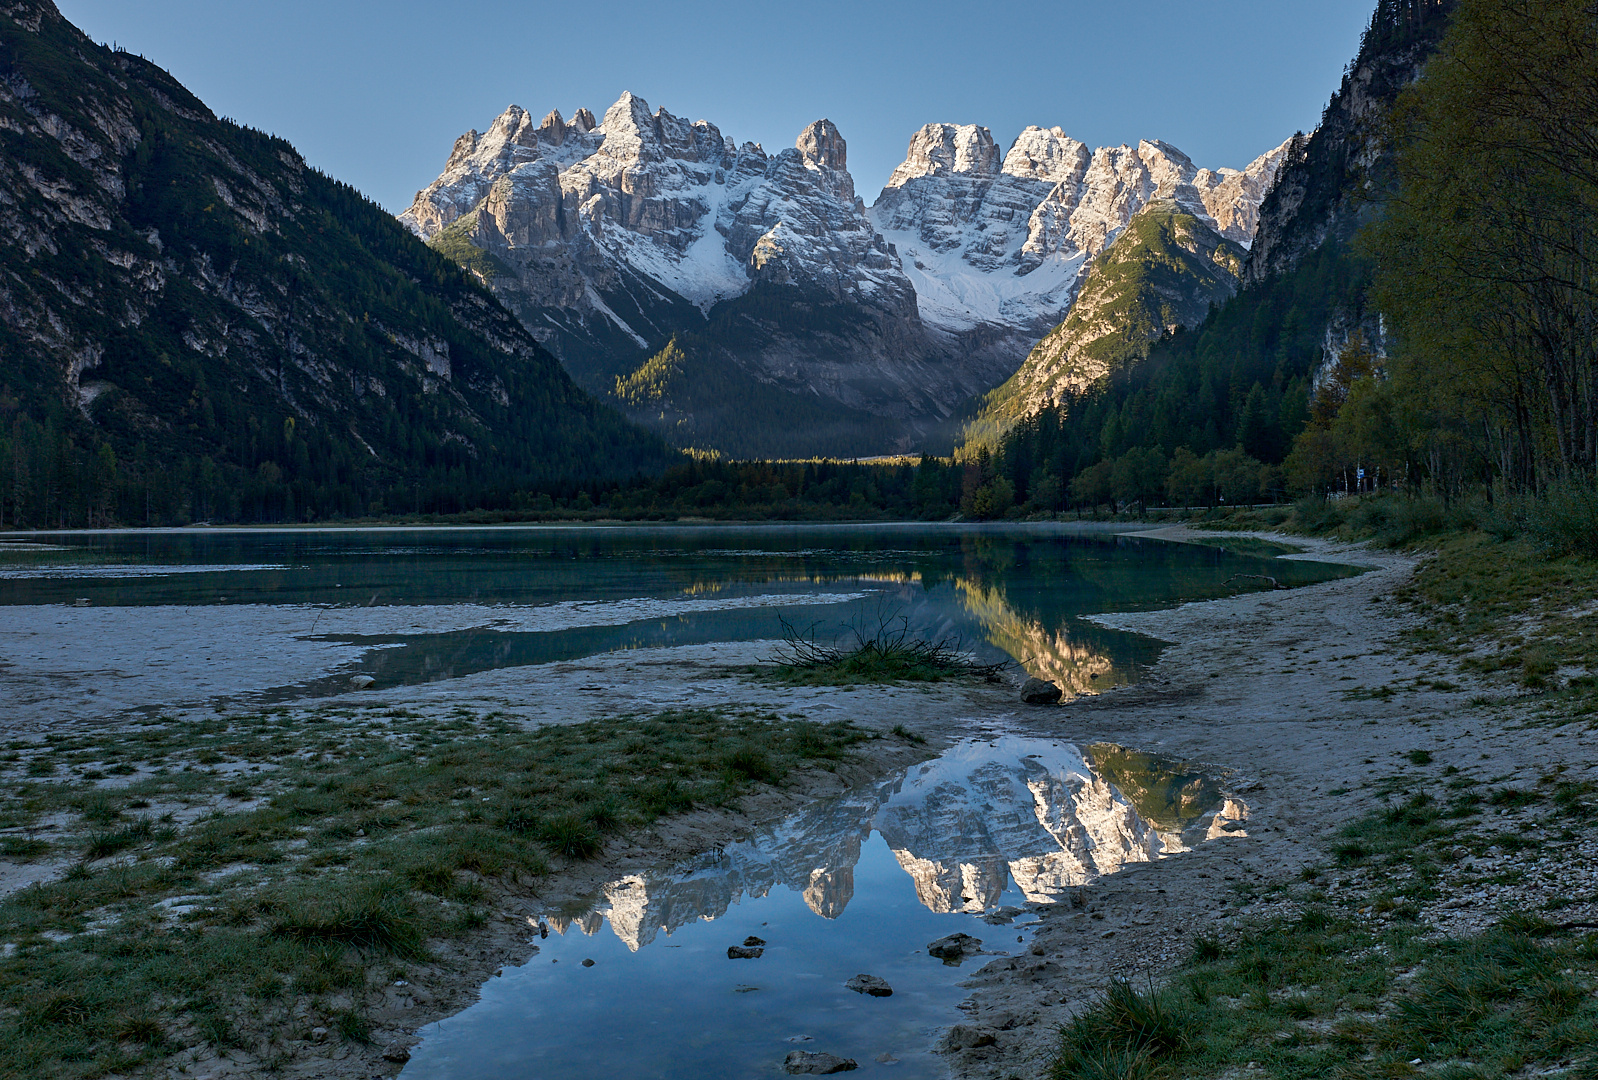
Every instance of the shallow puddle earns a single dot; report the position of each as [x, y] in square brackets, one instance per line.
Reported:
[858, 884]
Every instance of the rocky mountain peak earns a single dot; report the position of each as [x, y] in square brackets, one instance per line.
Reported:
[584, 121]
[948, 149]
[553, 128]
[821, 145]
[1047, 154]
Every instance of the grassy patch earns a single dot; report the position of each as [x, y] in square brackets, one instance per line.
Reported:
[372, 838]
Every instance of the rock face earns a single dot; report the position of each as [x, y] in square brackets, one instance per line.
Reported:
[997, 247]
[608, 239]
[1332, 180]
[775, 287]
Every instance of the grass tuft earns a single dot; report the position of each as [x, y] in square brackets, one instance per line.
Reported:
[888, 654]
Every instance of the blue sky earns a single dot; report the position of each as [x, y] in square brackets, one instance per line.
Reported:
[376, 93]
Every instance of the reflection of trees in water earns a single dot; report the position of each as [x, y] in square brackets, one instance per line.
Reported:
[1171, 795]
[1078, 667]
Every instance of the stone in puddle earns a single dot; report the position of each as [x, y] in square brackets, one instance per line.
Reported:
[744, 952]
[803, 1062]
[870, 984]
[751, 941]
[886, 1058]
[362, 682]
[953, 949]
[1037, 691]
[588, 963]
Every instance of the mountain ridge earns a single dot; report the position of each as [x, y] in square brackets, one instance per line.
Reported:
[609, 239]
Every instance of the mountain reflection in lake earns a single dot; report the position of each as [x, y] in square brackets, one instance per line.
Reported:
[956, 844]
[986, 819]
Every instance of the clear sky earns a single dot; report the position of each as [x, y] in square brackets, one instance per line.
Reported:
[376, 93]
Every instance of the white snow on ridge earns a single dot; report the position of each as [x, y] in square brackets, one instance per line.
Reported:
[954, 295]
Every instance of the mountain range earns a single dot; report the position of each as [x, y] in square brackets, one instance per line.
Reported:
[752, 303]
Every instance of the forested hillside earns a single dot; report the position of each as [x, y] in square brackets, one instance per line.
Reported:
[196, 325]
[1210, 414]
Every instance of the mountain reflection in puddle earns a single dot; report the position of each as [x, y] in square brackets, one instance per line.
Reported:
[956, 844]
[985, 818]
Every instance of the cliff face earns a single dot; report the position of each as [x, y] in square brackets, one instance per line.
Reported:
[1002, 245]
[798, 314]
[1332, 180]
[176, 281]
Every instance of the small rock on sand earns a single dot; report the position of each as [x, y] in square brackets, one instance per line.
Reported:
[398, 1053]
[744, 952]
[870, 984]
[1039, 692]
[803, 1062]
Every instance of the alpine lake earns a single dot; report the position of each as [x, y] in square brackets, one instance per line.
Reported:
[637, 979]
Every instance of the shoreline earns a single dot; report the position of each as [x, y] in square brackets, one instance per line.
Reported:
[1261, 682]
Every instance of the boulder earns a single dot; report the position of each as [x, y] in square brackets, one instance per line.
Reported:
[744, 952]
[1040, 692]
[966, 1037]
[803, 1062]
[954, 948]
[870, 984]
[752, 942]
[362, 682]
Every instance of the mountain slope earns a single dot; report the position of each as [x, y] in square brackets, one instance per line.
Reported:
[1165, 272]
[607, 239]
[193, 323]
[1332, 181]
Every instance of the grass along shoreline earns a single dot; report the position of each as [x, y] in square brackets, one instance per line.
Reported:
[249, 884]
[1352, 975]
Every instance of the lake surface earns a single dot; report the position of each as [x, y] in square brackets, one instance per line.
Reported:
[184, 617]
[859, 884]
